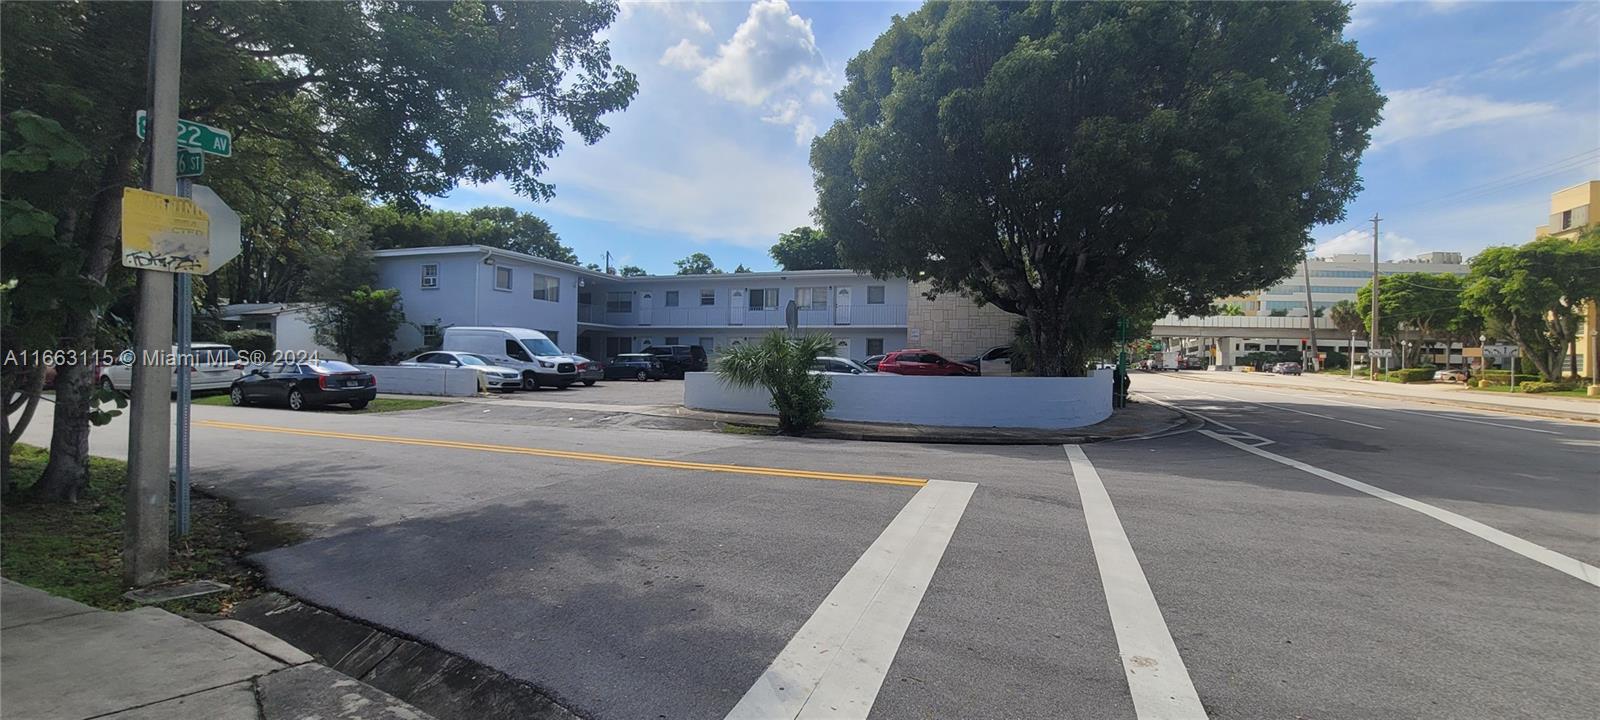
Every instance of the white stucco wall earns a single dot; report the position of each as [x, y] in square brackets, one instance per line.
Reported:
[407, 380]
[293, 331]
[1030, 402]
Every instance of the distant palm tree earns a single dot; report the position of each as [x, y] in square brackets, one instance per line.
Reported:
[1346, 317]
[783, 366]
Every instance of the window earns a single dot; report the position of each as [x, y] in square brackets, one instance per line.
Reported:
[502, 278]
[546, 288]
[430, 276]
[708, 297]
[811, 298]
[874, 294]
[1566, 219]
[516, 351]
[764, 299]
[874, 346]
[619, 302]
[672, 340]
[672, 298]
[431, 337]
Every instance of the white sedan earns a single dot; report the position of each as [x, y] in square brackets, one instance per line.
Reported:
[496, 377]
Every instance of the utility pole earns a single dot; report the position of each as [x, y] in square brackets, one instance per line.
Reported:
[144, 536]
[1311, 313]
[1372, 338]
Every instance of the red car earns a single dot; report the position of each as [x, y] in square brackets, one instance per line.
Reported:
[922, 362]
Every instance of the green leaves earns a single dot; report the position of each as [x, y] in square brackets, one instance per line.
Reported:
[805, 248]
[697, 264]
[783, 366]
[1533, 293]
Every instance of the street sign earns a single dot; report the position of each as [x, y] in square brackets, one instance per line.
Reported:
[1500, 351]
[224, 227]
[202, 137]
[191, 163]
[164, 232]
[1381, 353]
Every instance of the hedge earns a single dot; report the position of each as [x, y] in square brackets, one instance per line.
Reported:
[259, 341]
[1411, 375]
[1503, 377]
[1544, 387]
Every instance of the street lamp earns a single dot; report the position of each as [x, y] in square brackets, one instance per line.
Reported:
[1353, 355]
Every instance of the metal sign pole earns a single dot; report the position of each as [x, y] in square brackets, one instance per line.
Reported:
[185, 306]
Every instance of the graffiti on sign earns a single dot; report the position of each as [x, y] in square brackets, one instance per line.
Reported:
[164, 232]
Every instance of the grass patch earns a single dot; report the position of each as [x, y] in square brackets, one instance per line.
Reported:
[376, 406]
[75, 550]
[736, 429]
[1578, 393]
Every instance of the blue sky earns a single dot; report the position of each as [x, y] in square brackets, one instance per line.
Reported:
[1492, 106]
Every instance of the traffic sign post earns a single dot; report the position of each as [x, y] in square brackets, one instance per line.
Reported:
[198, 136]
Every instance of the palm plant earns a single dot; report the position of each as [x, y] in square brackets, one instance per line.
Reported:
[783, 366]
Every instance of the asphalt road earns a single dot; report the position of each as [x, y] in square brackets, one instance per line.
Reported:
[1309, 555]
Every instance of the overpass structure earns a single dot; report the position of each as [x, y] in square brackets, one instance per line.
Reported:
[1224, 336]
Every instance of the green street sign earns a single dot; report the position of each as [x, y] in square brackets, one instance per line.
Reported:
[206, 139]
[191, 163]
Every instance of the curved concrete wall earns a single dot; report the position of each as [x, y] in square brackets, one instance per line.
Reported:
[1030, 402]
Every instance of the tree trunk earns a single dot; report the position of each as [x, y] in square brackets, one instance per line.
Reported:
[1047, 331]
[67, 474]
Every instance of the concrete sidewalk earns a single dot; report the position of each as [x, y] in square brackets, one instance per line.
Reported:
[62, 660]
[1440, 393]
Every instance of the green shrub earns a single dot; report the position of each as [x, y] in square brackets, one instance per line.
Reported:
[1545, 387]
[1503, 377]
[259, 341]
[783, 367]
[1411, 375]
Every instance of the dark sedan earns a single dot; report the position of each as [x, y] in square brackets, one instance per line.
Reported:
[307, 384]
[639, 366]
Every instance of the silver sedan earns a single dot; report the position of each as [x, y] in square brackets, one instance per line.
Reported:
[494, 376]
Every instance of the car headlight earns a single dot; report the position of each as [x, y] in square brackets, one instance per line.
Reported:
[546, 363]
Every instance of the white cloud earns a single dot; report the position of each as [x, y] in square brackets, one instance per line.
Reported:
[678, 13]
[1423, 112]
[1391, 246]
[684, 56]
[772, 50]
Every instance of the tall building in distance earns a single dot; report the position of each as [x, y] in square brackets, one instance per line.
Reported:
[1340, 277]
[1571, 212]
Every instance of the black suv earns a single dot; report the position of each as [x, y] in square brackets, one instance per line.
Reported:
[679, 359]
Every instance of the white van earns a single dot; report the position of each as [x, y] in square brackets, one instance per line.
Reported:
[528, 351]
[215, 367]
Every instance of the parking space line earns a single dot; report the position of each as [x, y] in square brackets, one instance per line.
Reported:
[1571, 566]
[572, 455]
[835, 665]
[1157, 678]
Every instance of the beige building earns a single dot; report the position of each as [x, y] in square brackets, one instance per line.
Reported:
[955, 326]
[1571, 211]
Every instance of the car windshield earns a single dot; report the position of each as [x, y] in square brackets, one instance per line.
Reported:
[541, 346]
[472, 360]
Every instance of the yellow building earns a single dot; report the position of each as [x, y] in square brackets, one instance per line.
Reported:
[1571, 210]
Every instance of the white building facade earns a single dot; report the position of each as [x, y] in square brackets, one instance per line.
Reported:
[1340, 277]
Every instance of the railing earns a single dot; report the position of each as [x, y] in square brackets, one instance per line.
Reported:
[719, 316]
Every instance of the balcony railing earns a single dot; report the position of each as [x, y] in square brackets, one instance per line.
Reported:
[721, 316]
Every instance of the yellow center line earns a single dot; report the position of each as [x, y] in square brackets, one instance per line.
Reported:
[573, 455]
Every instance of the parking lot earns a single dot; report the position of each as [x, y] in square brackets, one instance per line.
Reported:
[609, 392]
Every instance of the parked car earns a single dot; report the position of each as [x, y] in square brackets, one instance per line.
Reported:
[922, 362]
[215, 367]
[529, 352]
[872, 361]
[1287, 368]
[994, 361]
[680, 359]
[1451, 375]
[306, 384]
[589, 371]
[843, 366]
[639, 366]
[495, 376]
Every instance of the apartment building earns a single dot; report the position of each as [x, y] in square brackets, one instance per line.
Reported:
[600, 315]
[1571, 212]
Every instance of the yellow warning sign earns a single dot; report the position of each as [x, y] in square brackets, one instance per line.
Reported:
[164, 232]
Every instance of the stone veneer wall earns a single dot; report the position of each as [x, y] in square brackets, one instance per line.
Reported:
[955, 326]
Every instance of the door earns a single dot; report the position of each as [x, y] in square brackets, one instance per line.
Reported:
[646, 306]
[736, 307]
[843, 349]
[841, 307]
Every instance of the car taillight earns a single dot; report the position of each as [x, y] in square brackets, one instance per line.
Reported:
[374, 381]
[322, 382]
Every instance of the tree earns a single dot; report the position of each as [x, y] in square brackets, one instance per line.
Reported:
[498, 227]
[633, 271]
[1227, 310]
[1427, 303]
[697, 264]
[805, 248]
[1074, 163]
[1346, 317]
[372, 92]
[360, 323]
[1534, 293]
[783, 366]
[742, 269]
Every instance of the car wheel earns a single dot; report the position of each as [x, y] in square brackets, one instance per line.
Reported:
[358, 404]
[642, 376]
[588, 383]
[236, 396]
[296, 400]
[529, 382]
